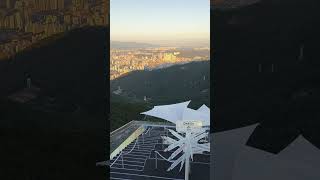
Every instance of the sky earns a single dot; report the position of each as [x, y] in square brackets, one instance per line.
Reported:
[160, 21]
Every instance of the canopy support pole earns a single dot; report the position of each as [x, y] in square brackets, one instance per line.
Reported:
[156, 161]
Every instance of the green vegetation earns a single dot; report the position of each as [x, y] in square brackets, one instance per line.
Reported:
[164, 86]
[123, 111]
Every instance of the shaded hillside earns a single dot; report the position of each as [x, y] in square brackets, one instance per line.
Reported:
[260, 74]
[164, 86]
[63, 68]
[56, 130]
[123, 110]
[169, 85]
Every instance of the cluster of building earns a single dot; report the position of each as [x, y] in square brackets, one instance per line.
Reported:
[125, 61]
[24, 22]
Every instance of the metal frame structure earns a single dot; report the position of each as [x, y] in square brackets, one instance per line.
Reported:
[131, 161]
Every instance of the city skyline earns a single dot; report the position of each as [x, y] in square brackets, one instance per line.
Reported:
[164, 22]
[26, 22]
[124, 61]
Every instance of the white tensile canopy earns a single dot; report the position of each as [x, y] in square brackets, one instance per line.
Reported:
[204, 109]
[172, 112]
[191, 114]
[180, 112]
[188, 121]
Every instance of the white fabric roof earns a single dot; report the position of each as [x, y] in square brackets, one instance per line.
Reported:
[172, 112]
[180, 112]
[204, 109]
[191, 114]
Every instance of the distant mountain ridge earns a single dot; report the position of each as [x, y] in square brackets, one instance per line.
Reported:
[130, 45]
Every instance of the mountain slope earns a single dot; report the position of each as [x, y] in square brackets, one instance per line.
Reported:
[59, 133]
[169, 85]
[163, 86]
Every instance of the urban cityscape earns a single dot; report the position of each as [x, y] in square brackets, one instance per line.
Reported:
[123, 61]
[25, 22]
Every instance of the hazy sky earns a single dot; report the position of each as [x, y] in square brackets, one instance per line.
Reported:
[160, 20]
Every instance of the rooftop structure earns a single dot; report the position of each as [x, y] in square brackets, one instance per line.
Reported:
[147, 150]
[145, 157]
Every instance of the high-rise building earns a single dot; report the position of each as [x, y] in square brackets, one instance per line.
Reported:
[11, 22]
[53, 4]
[60, 4]
[169, 57]
[44, 5]
[8, 4]
[40, 4]
[47, 5]
[78, 4]
[19, 23]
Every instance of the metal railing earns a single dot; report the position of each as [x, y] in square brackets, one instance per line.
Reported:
[126, 142]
